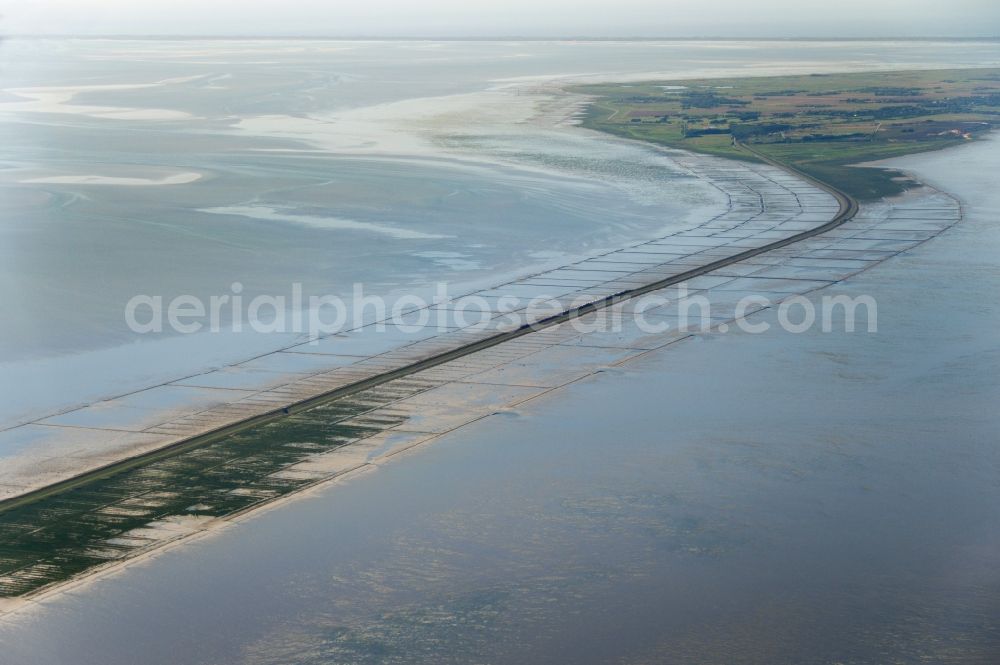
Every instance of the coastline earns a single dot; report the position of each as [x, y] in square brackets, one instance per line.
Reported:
[563, 118]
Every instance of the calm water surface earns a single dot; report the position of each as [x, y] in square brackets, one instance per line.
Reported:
[775, 498]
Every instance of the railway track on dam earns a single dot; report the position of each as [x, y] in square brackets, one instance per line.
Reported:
[90, 521]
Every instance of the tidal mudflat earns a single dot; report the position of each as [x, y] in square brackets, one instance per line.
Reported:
[691, 506]
[467, 140]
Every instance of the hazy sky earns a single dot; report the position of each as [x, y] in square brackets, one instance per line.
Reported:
[599, 18]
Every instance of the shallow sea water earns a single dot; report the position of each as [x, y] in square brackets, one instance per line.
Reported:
[773, 498]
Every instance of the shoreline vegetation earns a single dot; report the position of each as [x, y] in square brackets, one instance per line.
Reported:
[823, 125]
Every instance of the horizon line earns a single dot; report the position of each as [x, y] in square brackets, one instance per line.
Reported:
[495, 38]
